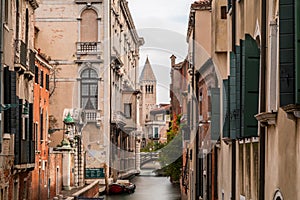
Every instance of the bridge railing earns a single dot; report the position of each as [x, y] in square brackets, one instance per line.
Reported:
[148, 156]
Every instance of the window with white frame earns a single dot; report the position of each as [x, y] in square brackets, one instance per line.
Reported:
[89, 89]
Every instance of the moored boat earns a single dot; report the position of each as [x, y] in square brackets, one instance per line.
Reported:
[119, 188]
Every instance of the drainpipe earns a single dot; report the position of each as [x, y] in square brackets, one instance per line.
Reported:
[233, 151]
[262, 101]
[197, 172]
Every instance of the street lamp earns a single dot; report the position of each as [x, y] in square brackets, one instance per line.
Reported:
[25, 112]
[69, 126]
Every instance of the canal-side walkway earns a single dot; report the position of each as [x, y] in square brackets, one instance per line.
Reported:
[90, 190]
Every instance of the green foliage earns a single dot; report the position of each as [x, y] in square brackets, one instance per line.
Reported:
[171, 155]
[154, 146]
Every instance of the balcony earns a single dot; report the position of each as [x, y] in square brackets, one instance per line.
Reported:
[30, 71]
[93, 116]
[130, 125]
[20, 55]
[84, 48]
[119, 118]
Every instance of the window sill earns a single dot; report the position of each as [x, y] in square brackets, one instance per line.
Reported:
[292, 110]
[227, 140]
[266, 118]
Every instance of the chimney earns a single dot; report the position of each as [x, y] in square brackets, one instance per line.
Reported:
[173, 58]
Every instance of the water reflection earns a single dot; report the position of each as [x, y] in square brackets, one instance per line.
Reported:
[149, 187]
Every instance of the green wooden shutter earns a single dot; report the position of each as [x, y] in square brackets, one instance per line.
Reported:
[286, 51]
[237, 112]
[297, 53]
[226, 105]
[250, 87]
[232, 96]
[215, 113]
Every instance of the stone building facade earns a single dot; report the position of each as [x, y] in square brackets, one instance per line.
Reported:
[95, 50]
[41, 91]
[159, 123]
[16, 98]
[253, 156]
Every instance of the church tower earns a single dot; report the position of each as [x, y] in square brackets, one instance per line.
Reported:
[148, 89]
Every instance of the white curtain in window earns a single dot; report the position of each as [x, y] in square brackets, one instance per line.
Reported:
[93, 90]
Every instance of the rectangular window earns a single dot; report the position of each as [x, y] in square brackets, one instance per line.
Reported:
[36, 135]
[223, 12]
[36, 75]
[156, 132]
[41, 125]
[200, 104]
[6, 10]
[26, 130]
[127, 110]
[47, 82]
[42, 79]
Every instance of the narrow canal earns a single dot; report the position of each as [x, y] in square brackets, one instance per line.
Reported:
[149, 187]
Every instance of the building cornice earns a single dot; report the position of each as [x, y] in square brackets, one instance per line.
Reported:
[33, 4]
[42, 61]
[196, 6]
[128, 18]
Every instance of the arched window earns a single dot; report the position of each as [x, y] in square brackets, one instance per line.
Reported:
[89, 26]
[89, 89]
[278, 195]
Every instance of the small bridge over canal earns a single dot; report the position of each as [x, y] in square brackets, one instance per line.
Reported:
[149, 160]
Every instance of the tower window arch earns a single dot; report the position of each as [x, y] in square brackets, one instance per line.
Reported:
[278, 195]
[89, 26]
[89, 89]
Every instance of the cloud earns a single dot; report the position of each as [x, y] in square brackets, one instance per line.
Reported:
[163, 24]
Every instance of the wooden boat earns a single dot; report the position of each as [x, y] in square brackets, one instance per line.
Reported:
[119, 188]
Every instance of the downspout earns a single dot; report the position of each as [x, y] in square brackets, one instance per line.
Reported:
[197, 186]
[262, 101]
[233, 151]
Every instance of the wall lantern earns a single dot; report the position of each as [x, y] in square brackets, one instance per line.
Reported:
[69, 127]
[25, 111]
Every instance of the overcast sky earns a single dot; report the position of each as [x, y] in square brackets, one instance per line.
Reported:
[163, 25]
